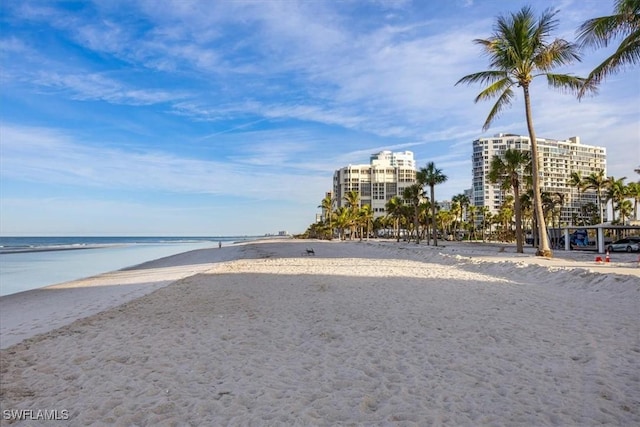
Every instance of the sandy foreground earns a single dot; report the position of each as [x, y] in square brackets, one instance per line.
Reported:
[362, 333]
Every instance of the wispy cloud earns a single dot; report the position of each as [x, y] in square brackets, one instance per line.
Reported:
[99, 87]
[45, 155]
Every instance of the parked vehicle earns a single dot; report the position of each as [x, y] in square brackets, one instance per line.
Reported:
[578, 239]
[628, 244]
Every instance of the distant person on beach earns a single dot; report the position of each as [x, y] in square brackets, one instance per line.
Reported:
[219, 244]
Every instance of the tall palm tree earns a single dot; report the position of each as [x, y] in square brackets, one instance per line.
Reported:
[508, 172]
[599, 32]
[598, 182]
[519, 50]
[432, 176]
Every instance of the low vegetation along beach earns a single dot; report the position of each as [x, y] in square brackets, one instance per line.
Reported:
[361, 333]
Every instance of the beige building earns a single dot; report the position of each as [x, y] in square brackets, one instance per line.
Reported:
[386, 175]
[557, 159]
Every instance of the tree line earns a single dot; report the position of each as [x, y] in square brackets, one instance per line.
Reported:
[414, 217]
[413, 212]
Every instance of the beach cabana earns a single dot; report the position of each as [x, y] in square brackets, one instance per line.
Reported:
[600, 229]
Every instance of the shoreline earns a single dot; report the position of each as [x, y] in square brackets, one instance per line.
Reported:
[50, 249]
[28, 270]
[364, 332]
[120, 286]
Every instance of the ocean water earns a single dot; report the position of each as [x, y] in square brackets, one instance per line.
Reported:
[33, 262]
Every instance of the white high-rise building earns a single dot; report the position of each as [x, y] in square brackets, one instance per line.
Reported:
[557, 159]
[387, 175]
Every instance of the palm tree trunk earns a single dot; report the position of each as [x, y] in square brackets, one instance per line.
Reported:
[397, 227]
[518, 211]
[433, 215]
[415, 224]
[543, 249]
[600, 205]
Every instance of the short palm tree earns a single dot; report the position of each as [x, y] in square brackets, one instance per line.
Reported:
[617, 192]
[599, 32]
[394, 210]
[486, 212]
[406, 215]
[625, 208]
[633, 189]
[366, 220]
[508, 172]
[446, 219]
[598, 182]
[327, 211]
[519, 50]
[504, 218]
[352, 199]
[463, 200]
[559, 199]
[432, 176]
[414, 195]
[342, 219]
[456, 212]
[575, 180]
[472, 221]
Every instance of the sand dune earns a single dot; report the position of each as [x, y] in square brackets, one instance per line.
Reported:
[363, 333]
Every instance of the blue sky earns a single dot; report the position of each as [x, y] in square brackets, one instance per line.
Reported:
[146, 117]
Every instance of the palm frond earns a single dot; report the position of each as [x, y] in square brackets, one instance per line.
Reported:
[557, 53]
[547, 23]
[568, 83]
[503, 101]
[494, 89]
[598, 32]
[483, 77]
[628, 53]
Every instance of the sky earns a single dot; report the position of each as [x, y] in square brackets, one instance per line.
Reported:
[210, 118]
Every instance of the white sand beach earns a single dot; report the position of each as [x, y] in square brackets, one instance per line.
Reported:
[362, 333]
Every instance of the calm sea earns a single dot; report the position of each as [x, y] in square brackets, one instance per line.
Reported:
[33, 262]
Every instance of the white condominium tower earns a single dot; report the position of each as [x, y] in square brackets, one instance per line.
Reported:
[387, 175]
[557, 159]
